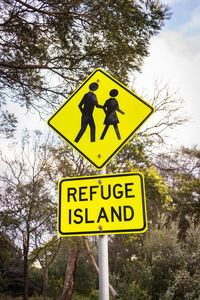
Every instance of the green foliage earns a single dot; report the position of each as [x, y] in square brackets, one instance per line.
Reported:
[55, 285]
[68, 163]
[11, 266]
[86, 277]
[186, 279]
[28, 210]
[161, 257]
[78, 297]
[157, 194]
[157, 266]
[148, 261]
[66, 40]
[181, 171]
[35, 282]
[46, 253]
[58, 268]
[8, 124]
[94, 295]
[5, 297]
[136, 157]
[134, 292]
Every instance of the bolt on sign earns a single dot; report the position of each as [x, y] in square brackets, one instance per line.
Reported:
[100, 117]
[102, 204]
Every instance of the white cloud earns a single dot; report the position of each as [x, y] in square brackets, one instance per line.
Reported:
[193, 25]
[175, 58]
[171, 2]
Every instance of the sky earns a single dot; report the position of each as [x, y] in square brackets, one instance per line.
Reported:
[174, 59]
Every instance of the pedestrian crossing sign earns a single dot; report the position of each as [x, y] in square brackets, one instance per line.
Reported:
[100, 117]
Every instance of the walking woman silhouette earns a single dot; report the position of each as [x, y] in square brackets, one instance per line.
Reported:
[110, 107]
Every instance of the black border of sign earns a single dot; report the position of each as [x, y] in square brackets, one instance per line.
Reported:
[122, 144]
[103, 231]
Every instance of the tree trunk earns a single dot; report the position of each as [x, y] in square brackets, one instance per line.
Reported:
[45, 283]
[25, 278]
[25, 250]
[70, 272]
[46, 268]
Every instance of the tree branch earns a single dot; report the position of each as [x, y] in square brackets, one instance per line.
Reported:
[60, 13]
[46, 12]
[87, 247]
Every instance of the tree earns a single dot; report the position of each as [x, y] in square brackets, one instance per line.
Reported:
[70, 273]
[46, 255]
[168, 113]
[87, 247]
[62, 271]
[182, 170]
[186, 279]
[11, 268]
[163, 263]
[136, 157]
[156, 265]
[68, 163]
[48, 47]
[28, 209]
[8, 124]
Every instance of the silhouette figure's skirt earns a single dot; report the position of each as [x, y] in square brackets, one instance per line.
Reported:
[111, 119]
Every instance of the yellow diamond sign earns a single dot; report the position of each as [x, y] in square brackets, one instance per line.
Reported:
[102, 204]
[100, 117]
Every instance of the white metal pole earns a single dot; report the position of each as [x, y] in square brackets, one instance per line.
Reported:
[103, 262]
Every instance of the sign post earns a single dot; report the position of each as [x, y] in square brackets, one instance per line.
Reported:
[97, 120]
[103, 268]
[103, 262]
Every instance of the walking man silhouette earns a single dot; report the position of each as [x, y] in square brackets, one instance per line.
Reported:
[86, 107]
[110, 107]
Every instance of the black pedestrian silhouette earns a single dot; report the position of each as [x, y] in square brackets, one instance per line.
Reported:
[110, 107]
[86, 107]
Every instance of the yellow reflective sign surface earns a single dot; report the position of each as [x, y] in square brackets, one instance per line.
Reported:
[102, 204]
[100, 117]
